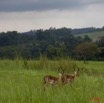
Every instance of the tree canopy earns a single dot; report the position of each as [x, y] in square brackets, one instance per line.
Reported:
[51, 42]
[87, 50]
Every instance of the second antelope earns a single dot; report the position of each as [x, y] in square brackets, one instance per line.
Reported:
[69, 78]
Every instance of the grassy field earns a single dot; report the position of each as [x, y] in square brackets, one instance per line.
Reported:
[22, 82]
[94, 35]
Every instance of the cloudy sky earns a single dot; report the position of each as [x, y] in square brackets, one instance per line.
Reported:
[25, 15]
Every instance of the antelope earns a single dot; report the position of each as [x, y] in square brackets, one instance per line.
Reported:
[48, 79]
[69, 78]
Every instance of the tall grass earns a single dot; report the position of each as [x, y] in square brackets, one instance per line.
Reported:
[22, 82]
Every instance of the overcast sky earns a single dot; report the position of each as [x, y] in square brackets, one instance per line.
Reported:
[25, 15]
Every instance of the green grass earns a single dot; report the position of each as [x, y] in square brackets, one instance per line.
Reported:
[93, 35]
[23, 82]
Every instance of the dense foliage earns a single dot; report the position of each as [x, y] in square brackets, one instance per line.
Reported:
[54, 43]
[87, 50]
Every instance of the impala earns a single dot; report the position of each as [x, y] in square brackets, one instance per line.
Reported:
[48, 79]
[69, 78]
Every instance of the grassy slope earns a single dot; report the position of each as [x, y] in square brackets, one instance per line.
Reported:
[21, 85]
[93, 35]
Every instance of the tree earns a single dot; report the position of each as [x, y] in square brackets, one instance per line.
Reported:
[54, 52]
[87, 39]
[100, 42]
[87, 50]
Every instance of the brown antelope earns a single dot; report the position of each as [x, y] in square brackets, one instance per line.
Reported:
[48, 79]
[69, 78]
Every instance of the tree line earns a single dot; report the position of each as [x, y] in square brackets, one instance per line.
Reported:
[53, 43]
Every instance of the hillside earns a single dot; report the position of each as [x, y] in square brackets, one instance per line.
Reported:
[93, 35]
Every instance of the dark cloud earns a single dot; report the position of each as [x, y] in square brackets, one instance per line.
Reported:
[41, 5]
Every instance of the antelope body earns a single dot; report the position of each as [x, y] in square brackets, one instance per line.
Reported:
[48, 79]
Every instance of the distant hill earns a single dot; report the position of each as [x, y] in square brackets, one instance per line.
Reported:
[86, 30]
[31, 32]
[93, 35]
[68, 30]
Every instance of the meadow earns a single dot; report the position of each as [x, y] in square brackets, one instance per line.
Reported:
[94, 35]
[21, 81]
